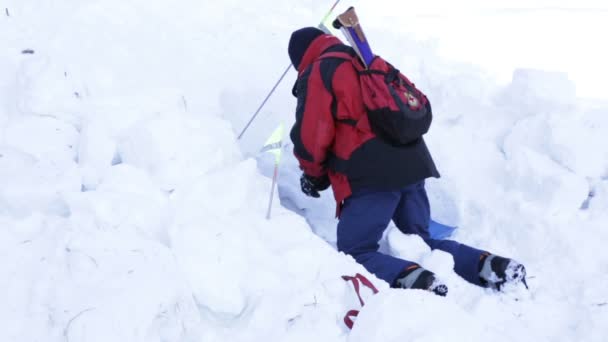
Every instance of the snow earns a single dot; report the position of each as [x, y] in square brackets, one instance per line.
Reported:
[431, 314]
[130, 212]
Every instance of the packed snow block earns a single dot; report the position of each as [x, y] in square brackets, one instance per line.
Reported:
[126, 200]
[246, 269]
[177, 148]
[55, 140]
[214, 238]
[96, 151]
[38, 166]
[396, 315]
[567, 136]
[86, 284]
[597, 200]
[413, 248]
[442, 197]
[43, 89]
[441, 263]
[603, 190]
[544, 184]
[407, 246]
[29, 185]
[96, 147]
[536, 90]
[578, 140]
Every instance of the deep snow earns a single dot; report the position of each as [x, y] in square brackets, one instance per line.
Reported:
[130, 212]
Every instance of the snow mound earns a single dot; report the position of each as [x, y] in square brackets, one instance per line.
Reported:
[417, 315]
[130, 212]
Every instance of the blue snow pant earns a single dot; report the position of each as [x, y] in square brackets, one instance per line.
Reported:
[365, 216]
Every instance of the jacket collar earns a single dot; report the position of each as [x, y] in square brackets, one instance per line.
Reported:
[316, 48]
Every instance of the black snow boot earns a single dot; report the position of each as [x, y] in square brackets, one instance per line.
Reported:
[416, 277]
[496, 271]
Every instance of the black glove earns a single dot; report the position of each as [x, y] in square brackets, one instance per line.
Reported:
[312, 185]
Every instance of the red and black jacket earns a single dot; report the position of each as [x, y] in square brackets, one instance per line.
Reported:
[332, 134]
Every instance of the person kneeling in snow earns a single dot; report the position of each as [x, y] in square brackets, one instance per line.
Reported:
[373, 181]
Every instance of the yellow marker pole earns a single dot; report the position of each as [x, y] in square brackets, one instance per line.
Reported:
[274, 145]
[325, 24]
[274, 184]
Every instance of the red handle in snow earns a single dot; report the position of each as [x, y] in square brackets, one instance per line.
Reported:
[357, 280]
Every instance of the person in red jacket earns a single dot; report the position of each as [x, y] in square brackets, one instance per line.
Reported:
[373, 181]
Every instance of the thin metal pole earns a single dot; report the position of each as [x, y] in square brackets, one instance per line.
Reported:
[265, 100]
[282, 77]
[274, 183]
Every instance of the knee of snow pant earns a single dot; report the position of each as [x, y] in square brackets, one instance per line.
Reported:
[466, 258]
[364, 218]
[413, 212]
[412, 216]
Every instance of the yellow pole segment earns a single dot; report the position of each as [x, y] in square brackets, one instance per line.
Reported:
[274, 145]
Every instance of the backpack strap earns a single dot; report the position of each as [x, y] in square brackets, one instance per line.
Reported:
[339, 55]
[331, 59]
[340, 48]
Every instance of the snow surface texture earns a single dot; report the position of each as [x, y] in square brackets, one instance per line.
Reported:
[129, 212]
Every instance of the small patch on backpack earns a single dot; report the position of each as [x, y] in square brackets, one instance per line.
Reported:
[412, 101]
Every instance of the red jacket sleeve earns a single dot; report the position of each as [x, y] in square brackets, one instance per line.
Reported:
[314, 130]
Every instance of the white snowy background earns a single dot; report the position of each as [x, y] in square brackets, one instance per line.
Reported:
[130, 212]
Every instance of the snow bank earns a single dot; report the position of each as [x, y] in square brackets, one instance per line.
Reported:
[128, 210]
[130, 213]
[523, 173]
[423, 317]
